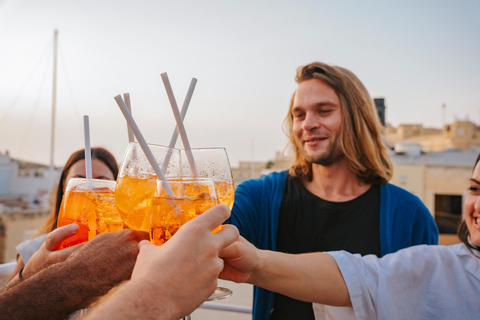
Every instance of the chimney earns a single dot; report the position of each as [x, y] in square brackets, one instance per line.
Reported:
[380, 104]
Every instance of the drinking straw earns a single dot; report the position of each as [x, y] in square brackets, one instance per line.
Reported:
[131, 137]
[174, 138]
[88, 151]
[143, 144]
[181, 127]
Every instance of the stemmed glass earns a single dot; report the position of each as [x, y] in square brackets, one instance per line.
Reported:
[193, 196]
[136, 182]
[213, 163]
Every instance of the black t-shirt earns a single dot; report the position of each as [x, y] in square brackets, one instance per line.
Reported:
[308, 223]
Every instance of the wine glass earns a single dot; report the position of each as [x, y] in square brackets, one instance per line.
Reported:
[90, 204]
[136, 182]
[192, 197]
[213, 163]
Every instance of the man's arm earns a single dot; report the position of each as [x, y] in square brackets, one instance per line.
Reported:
[64, 287]
[172, 280]
[312, 277]
[46, 255]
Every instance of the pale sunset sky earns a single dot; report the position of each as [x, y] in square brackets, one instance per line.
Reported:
[417, 54]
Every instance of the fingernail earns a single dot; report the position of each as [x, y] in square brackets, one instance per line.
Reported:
[73, 228]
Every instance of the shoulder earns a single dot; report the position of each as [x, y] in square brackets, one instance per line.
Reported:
[399, 196]
[397, 191]
[265, 181]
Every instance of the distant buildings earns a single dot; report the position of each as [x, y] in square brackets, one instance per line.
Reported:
[460, 135]
[24, 201]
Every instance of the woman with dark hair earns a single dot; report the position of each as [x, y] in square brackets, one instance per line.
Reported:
[419, 282]
[104, 166]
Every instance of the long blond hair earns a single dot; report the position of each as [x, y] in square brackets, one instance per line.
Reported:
[360, 140]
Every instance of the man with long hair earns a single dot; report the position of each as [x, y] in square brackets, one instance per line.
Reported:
[336, 196]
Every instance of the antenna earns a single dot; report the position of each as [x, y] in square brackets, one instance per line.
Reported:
[54, 95]
[54, 100]
[444, 107]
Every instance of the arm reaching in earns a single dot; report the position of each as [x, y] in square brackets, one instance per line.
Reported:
[47, 254]
[312, 277]
[172, 280]
[64, 287]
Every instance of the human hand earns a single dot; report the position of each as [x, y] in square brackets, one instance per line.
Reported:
[48, 253]
[183, 272]
[241, 261]
[107, 259]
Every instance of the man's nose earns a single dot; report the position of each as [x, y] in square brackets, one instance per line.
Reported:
[311, 122]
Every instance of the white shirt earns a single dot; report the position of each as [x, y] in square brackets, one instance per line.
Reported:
[27, 248]
[421, 282]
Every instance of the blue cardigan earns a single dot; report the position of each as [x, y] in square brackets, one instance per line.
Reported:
[404, 222]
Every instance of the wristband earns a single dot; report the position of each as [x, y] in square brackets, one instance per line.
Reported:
[20, 276]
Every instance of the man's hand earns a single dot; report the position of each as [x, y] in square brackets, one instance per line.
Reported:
[89, 272]
[241, 261]
[107, 259]
[48, 253]
[172, 280]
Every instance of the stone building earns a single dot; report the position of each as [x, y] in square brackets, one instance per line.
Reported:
[24, 201]
[460, 135]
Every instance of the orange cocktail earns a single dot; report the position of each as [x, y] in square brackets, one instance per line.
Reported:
[136, 183]
[168, 213]
[132, 197]
[107, 217]
[90, 204]
[225, 193]
[212, 163]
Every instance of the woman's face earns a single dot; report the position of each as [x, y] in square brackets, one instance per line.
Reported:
[99, 171]
[472, 207]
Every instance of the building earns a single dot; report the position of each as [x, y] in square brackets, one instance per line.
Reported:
[24, 201]
[248, 170]
[460, 135]
[439, 179]
[380, 105]
[31, 181]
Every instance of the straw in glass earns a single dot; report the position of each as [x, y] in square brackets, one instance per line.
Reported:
[174, 138]
[180, 126]
[88, 151]
[143, 144]
[126, 97]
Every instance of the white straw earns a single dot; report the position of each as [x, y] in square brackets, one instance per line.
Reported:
[180, 126]
[131, 137]
[174, 138]
[141, 140]
[88, 151]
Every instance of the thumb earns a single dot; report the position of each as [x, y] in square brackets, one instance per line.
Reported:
[55, 238]
[144, 243]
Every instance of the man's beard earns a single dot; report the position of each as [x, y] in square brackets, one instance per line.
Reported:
[331, 156]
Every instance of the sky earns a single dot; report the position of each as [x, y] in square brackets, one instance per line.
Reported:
[417, 54]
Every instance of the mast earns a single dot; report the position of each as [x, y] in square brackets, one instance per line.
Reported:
[54, 99]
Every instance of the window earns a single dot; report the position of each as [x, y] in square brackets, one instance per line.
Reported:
[448, 212]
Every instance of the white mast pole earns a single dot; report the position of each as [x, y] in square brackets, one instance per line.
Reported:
[54, 100]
